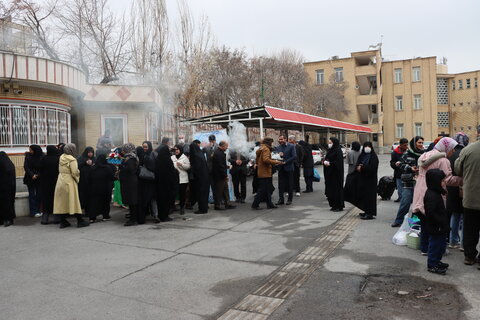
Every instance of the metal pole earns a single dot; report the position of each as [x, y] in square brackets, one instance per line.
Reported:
[261, 129]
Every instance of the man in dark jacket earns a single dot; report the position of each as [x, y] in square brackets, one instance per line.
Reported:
[436, 220]
[285, 171]
[297, 164]
[239, 175]
[220, 177]
[395, 162]
[307, 165]
[209, 151]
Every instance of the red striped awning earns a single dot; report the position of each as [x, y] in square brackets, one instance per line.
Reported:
[311, 120]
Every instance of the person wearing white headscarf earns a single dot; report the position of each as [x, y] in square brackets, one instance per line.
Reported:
[436, 158]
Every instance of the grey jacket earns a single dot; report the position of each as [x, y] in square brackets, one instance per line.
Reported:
[468, 167]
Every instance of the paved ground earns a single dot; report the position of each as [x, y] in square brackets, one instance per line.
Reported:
[199, 269]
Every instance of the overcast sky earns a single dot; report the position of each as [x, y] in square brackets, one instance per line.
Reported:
[320, 29]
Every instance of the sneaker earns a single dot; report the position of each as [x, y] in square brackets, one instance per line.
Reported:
[396, 225]
[454, 246]
[297, 194]
[107, 219]
[424, 253]
[443, 265]
[461, 249]
[437, 270]
[469, 261]
[38, 215]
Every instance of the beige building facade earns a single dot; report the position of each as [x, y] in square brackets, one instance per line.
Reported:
[402, 98]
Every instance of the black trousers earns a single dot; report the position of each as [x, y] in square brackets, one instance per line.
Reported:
[296, 179]
[264, 192]
[221, 193]
[182, 192]
[239, 180]
[471, 229]
[285, 184]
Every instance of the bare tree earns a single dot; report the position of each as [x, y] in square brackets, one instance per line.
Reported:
[327, 99]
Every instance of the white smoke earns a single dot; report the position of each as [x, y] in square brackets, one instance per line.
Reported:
[238, 139]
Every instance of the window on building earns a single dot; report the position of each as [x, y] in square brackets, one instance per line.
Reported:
[453, 84]
[475, 83]
[399, 103]
[417, 101]
[320, 76]
[117, 124]
[467, 83]
[442, 91]
[443, 119]
[398, 75]
[399, 130]
[418, 129]
[460, 84]
[338, 74]
[416, 74]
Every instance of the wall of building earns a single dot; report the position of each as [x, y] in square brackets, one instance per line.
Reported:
[465, 104]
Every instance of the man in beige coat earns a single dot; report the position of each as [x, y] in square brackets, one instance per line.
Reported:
[468, 166]
[67, 201]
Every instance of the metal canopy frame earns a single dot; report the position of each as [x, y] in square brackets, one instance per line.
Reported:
[259, 117]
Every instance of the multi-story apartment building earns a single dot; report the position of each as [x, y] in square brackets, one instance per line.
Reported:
[402, 98]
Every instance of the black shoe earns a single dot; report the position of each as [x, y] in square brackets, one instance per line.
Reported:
[218, 208]
[128, 216]
[362, 214]
[107, 219]
[230, 207]
[44, 223]
[200, 212]
[337, 210]
[7, 223]
[130, 223]
[398, 200]
[256, 208]
[437, 270]
[182, 211]
[156, 220]
[469, 261]
[289, 202]
[396, 225]
[166, 219]
[82, 224]
[367, 217]
[272, 207]
[64, 224]
[280, 202]
[442, 265]
[242, 200]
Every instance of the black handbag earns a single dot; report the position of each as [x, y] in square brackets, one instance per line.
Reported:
[146, 174]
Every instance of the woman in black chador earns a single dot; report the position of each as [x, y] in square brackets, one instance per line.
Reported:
[147, 195]
[32, 178]
[200, 180]
[49, 174]
[129, 182]
[100, 186]
[85, 165]
[333, 172]
[361, 185]
[7, 190]
[166, 178]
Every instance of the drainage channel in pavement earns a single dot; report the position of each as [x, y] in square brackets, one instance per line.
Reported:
[280, 285]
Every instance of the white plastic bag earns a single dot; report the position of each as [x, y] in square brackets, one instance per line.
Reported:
[400, 237]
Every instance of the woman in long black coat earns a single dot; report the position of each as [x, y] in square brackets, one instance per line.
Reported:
[366, 185]
[85, 165]
[7, 190]
[147, 195]
[129, 182]
[49, 175]
[166, 178]
[333, 170]
[32, 178]
[200, 174]
[100, 186]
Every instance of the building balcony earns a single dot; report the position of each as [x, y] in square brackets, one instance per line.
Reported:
[370, 70]
[367, 99]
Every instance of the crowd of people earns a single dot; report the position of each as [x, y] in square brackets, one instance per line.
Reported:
[439, 185]
[149, 182]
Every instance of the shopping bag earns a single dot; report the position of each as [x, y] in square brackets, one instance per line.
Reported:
[316, 175]
[400, 237]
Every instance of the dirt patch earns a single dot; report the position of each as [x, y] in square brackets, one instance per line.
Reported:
[409, 297]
